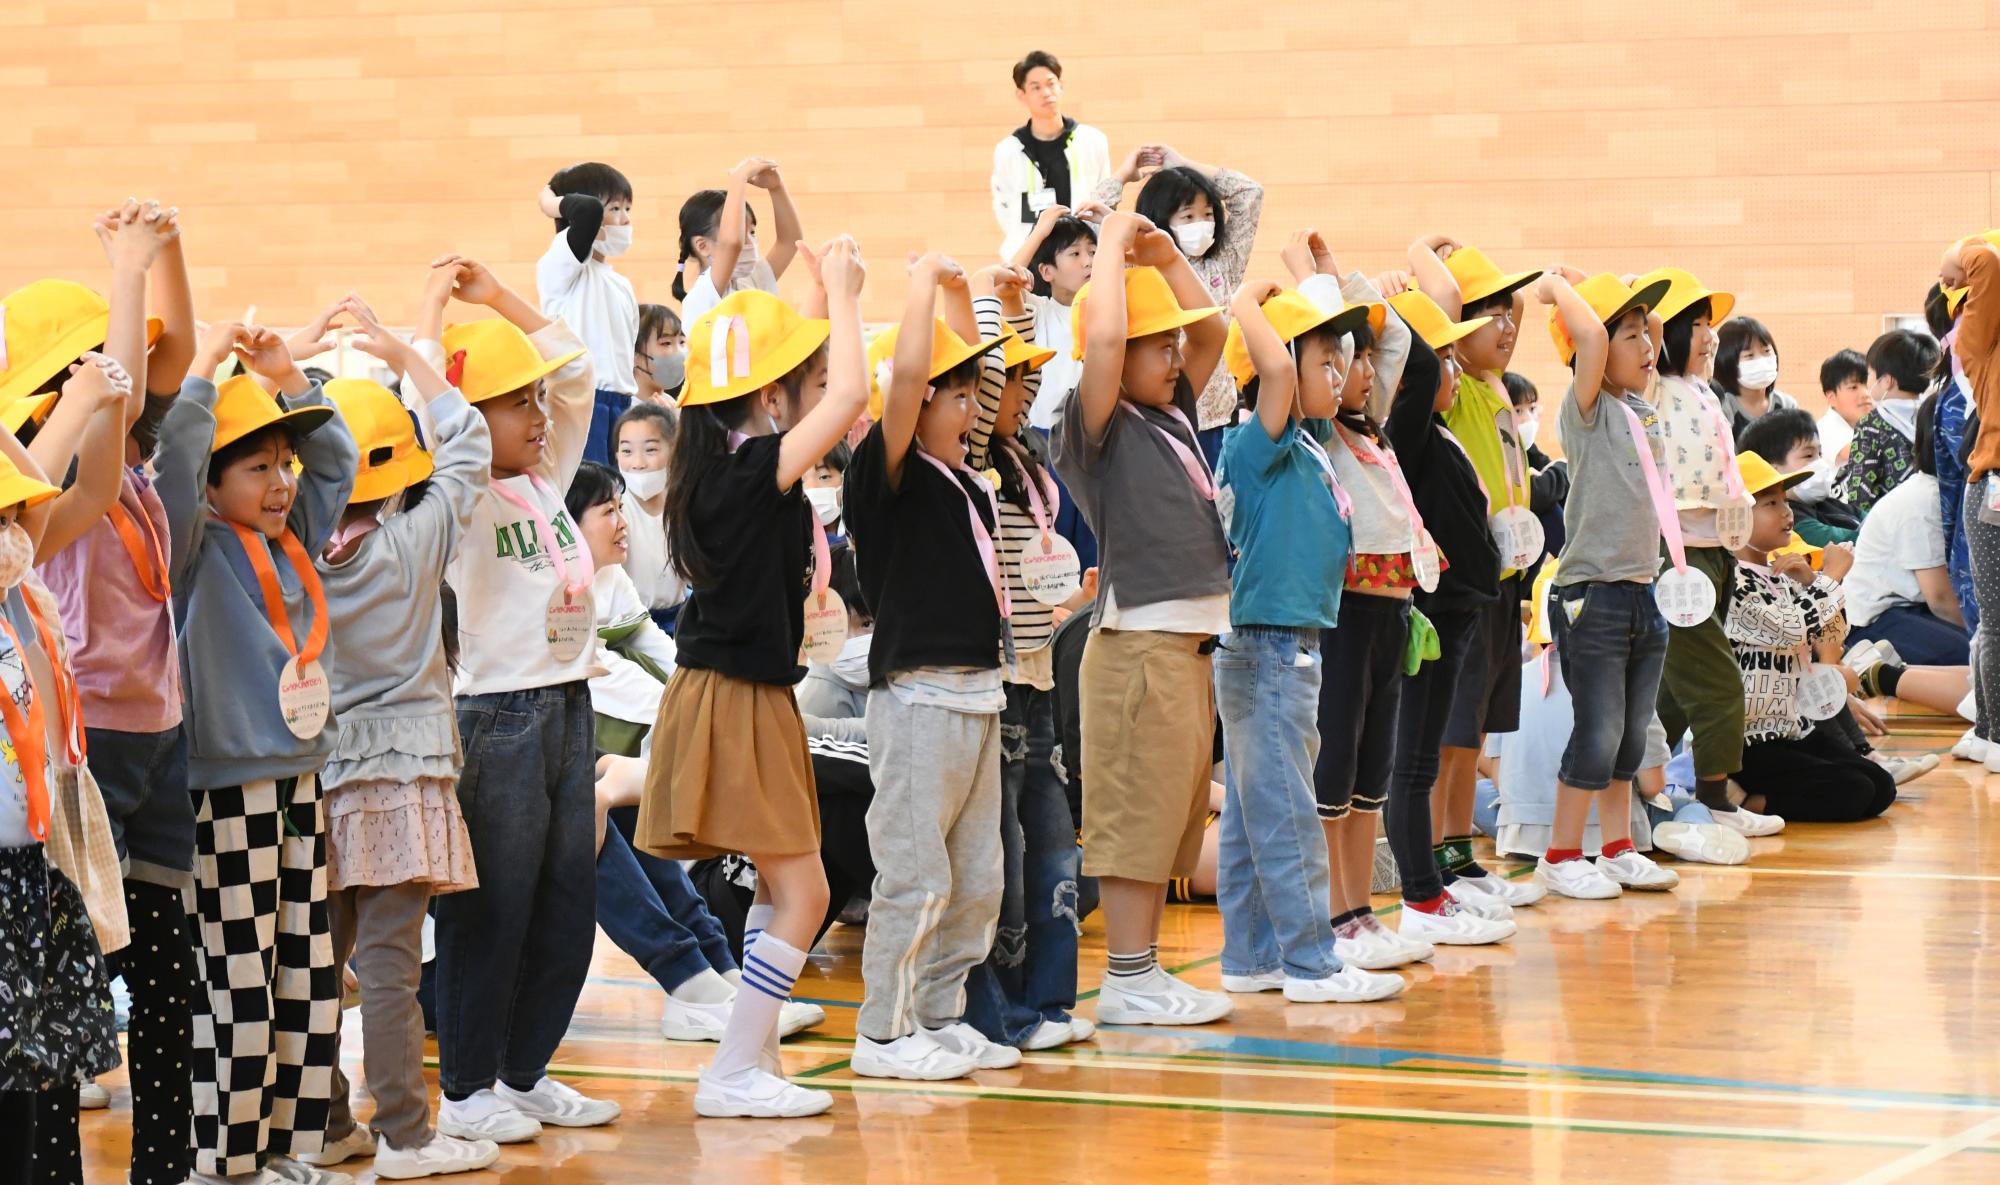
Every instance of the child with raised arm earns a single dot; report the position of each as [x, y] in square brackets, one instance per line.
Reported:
[718, 239]
[592, 207]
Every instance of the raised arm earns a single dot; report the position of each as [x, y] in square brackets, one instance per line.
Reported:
[327, 455]
[133, 238]
[909, 376]
[88, 425]
[1586, 333]
[1205, 338]
[171, 298]
[729, 234]
[1427, 256]
[1277, 379]
[1024, 256]
[187, 437]
[846, 397]
[1978, 266]
[992, 367]
[787, 230]
[1104, 325]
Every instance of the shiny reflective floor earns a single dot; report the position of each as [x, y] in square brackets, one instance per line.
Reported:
[1828, 1013]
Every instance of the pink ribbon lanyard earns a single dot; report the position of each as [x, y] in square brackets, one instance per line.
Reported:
[822, 572]
[720, 361]
[1394, 469]
[980, 535]
[1038, 496]
[1658, 486]
[1340, 498]
[547, 535]
[1197, 468]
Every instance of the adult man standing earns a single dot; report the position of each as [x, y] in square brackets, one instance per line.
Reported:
[1047, 161]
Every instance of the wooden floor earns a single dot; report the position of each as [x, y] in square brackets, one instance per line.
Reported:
[1828, 1013]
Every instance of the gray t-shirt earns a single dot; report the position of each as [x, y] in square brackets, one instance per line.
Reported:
[1612, 531]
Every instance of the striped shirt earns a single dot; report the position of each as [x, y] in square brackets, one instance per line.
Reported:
[1033, 623]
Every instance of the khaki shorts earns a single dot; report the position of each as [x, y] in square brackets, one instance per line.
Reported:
[1148, 706]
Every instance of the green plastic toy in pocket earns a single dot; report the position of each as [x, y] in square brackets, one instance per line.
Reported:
[1423, 646]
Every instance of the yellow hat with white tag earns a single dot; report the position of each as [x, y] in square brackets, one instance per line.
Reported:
[948, 352]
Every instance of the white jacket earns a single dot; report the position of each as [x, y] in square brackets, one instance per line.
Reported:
[1014, 177]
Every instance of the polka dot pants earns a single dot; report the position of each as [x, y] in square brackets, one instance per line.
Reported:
[159, 972]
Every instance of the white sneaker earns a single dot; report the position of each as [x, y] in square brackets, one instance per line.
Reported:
[359, 1141]
[1970, 747]
[92, 1097]
[796, 1016]
[1632, 870]
[1081, 1029]
[1050, 1034]
[1418, 949]
[987, 1055]
[442, 1155]
[682, 1020]
[1909, 769]
[757, 1095]
[557, 1104]
[261, 1177]
[1702, 843]
[1576, 878]
[1349, 985]
[484, 1115]
[1454, 925]
[1244, 985]
[300, 1173]
[916, 1057]
[1159, 999]
[1744, 821]
[1359, 945]
[1518, 894]
[1472, 900]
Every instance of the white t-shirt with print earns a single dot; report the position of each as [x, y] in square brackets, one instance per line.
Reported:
[504, 581]
[598, 304]
[1902, 535]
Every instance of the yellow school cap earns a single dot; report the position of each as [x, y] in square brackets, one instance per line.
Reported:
[1610, 299]
[1428, 321]
[18, 489]
[1683, 291]
[1797, 546]
[746, 343]
[243, 407]
[492, 357]
[948, 350]
[1292, 313]
[1479, 278]
[1150, 308]
[1760, 475]
[391, 458]
[48, 325]
[1018, 351]
[1954, 297]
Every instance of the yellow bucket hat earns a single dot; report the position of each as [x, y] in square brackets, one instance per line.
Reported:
[492, 357]
[48, 325]
[243, 407]
[1150, 308]
[1760, 475]
[1798, 546]
[1018, 351]
[391, 458]
[948, 350]
[1428, 321]
[1954, 297]
[746, 343]
[1610, 299]
[1292, 313]
[1479, 278]
[1683, 291]
[18, 489]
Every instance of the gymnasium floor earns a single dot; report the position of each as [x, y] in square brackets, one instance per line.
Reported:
[1827, 1013]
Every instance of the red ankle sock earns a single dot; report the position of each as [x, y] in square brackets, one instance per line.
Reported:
[1558, 855]
[1432, 906]
[1616, 848]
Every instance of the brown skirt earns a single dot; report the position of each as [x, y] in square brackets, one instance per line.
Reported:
[730, 772]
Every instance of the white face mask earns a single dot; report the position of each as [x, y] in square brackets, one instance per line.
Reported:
[616, 240]
[1526, 430]
[747, 260]
[649, 484]
[1759, 372]
[1195, 237]
[17, 555]
[851, 667]
[1818, 487]
[825, 503]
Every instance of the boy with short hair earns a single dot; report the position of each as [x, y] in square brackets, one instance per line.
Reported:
[592, 207]
[1901, 364]
[1843, 382]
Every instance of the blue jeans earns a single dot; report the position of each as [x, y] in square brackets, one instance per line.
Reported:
[1612, 642]
[512, 954]
[1923, 638]
[650, 908]
[599, 446]
[1030, 976]
[1271, 869]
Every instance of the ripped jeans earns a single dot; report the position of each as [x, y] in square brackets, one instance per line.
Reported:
[1030, 975]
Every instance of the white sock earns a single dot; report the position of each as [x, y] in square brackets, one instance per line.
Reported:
[758, 917]
[734, 977]
[769, 970]
[705, 987]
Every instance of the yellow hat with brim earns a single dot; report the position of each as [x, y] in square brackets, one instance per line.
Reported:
[18, 489]
[1797, 546]
[1293, 314]
[1760, 475]
[1019, 351]
[492, 357]
[948, 351]
[1428, 321]
[746, 343]
[1610, 299]
[48, 325]
[1150, 308]
[391, 459]
[1683, 291]
[1954, 297]
[1479, 278]
[243, 407]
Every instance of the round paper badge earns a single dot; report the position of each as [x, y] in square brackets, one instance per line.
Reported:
[1732, 525]
[1822, 692]
[1518, 534]
[305, 698]
[1685, 596]
[1050, 570]
[1424, 562]
[826, 627]
[571, 622]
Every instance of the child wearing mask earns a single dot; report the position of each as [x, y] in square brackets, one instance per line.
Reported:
[1609, 632]
[1901, 366]
[659, 355]
[1058, 256]
[823, 489]
[644, 439]
[718, 239]
[1746, 373]
[592, 207]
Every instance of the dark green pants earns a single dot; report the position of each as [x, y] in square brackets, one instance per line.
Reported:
[1702, 687]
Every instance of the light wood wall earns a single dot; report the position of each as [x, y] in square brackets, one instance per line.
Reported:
[1812, 156]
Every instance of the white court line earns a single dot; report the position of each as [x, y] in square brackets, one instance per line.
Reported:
[1861, 873]
[1903, 1166]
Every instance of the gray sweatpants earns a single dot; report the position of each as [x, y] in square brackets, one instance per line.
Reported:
[382, 928]
[934, 832]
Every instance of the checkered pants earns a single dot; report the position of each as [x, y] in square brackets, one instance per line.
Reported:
[266, 1022]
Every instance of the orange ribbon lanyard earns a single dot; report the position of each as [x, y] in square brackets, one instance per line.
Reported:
[149, 558]
[31, 745]
[68, 699]
[257, 548]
